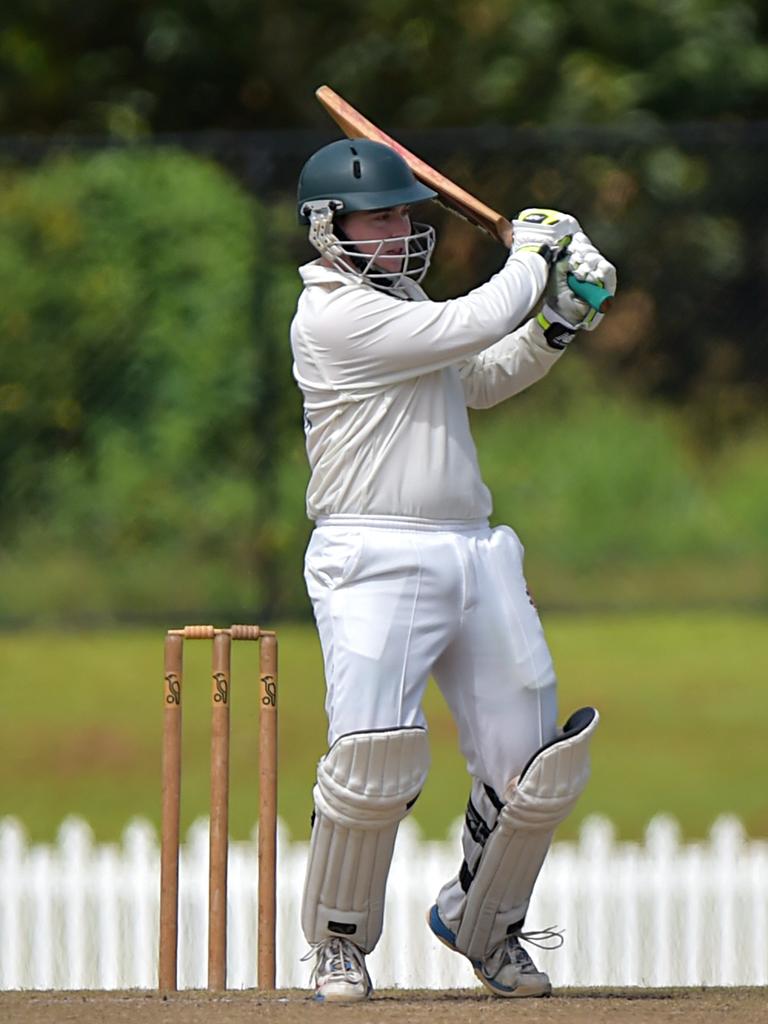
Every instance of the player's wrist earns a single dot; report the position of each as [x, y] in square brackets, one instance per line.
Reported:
[557, 334]
[548, 252]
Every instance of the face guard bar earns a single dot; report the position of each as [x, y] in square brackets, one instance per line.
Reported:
[344, 255]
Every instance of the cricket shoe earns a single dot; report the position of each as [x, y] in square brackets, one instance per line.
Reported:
[508, 970]
[340, 974]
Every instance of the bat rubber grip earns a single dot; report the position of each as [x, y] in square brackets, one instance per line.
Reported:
[595, 296]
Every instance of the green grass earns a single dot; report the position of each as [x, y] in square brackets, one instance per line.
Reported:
[683, 700]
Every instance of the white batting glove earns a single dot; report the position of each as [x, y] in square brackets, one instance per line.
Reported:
[547, 232]
[561, 305]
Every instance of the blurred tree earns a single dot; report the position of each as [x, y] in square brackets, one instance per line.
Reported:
[597, 108]
[151, 455]
[132, 396]
[132, 380]
[132, 66]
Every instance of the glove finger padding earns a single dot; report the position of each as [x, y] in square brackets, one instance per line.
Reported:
[588, 263]
[585, 262]
[544, 231]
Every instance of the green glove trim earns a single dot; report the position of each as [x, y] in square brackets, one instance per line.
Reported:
[595, 296]
[557, 336]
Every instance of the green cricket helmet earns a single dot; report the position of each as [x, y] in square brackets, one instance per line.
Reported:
[357, 174]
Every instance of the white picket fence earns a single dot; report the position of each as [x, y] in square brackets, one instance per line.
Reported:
[76, 915]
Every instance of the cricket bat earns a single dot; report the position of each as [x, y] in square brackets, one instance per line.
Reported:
[356, 126]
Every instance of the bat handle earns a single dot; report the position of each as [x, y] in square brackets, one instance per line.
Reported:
[595, 296]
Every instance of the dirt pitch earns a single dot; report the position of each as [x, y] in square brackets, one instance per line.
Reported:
[569, 1006]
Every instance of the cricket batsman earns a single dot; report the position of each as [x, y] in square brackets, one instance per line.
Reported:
[407, 578]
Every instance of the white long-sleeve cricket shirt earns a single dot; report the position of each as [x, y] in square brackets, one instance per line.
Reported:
[387, 381]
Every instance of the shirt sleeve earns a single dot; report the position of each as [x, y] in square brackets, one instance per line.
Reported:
[508, 367]
[361, 337]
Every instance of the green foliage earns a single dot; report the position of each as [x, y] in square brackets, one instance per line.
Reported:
[151, 455]
[131, 365]
[231, 63]
[599, 485]
[647, 119]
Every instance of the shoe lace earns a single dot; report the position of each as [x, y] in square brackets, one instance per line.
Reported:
[338, 959]
[510, 950]
[547, 938]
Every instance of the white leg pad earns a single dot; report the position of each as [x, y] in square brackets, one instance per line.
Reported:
[366, 784]
[534, 804]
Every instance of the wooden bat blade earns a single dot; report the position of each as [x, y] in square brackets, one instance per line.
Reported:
[356, 126]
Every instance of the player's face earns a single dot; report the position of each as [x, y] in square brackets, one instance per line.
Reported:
[368, 228]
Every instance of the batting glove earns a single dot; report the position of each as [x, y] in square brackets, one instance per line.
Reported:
[561, 305]
[547, 232]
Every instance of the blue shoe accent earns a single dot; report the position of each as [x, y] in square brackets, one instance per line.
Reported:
[442, 931]
[529, 982]
[493, 985]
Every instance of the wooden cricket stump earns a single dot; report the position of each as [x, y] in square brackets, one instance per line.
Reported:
[219, 828]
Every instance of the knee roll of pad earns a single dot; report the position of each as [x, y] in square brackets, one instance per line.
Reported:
[366, 784]
[500, 889]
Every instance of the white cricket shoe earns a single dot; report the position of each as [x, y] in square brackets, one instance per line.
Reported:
[340, 974]
[508, 971]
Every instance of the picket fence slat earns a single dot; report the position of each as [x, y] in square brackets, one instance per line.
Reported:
[76, 914]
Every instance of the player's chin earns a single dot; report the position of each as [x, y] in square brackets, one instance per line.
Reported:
[392, 263]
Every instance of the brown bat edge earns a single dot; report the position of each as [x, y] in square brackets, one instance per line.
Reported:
[452, 196]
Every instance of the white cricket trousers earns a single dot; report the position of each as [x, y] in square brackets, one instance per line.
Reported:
[396, 600]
